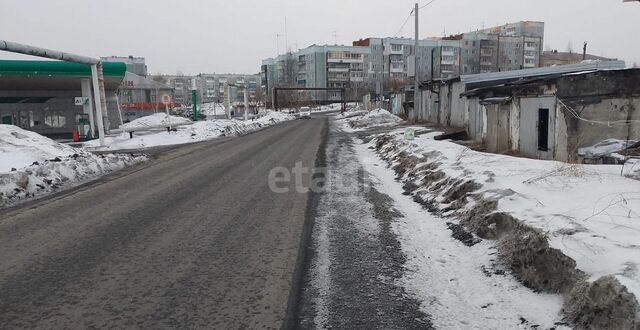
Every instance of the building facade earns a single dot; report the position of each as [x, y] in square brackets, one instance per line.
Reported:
[340, 67]
[212, 86]
[381, 66]
[139, 95]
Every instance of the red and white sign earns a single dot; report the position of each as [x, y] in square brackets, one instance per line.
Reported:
[166, 99]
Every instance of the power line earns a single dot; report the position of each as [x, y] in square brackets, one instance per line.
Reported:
[575, 114]
[430, 2]
[403, 24]
[409, 16]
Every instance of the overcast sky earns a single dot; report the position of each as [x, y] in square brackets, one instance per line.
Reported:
[224, 36]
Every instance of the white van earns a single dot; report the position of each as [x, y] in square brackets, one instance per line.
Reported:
[305, 112]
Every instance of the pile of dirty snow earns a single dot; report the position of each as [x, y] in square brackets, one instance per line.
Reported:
[19, 148]
[373, 118]
[210, 109]
[196, 132]
[156, 119]
[560, 228]
[31, 164]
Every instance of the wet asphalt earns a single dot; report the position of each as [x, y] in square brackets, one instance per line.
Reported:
[193, 239]
[354, 259]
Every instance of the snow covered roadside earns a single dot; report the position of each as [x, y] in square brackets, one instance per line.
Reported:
[558, 228]
[156, 119]
[33, 165]
[196, 132]
[361, 119]
[460, 288]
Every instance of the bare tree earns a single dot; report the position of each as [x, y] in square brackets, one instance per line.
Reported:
[394, 85]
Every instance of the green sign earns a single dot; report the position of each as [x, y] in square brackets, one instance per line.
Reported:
[409, 134]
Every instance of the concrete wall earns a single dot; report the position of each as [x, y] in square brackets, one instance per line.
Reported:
[476, 127]
[444, 109]
[607, 121]
[528, 142]
[458, 109]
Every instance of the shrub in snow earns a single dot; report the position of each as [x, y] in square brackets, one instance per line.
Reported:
[602, 304]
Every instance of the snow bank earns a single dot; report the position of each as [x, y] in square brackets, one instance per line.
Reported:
[19, 148]
[198, 131]
[373, 118]
[588, 213]
[157, 119]
[459, 287]
[32, 165]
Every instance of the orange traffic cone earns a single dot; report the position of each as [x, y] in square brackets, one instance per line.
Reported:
[75, 135]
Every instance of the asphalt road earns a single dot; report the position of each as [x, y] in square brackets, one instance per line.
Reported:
[192, 239]
[355, 264]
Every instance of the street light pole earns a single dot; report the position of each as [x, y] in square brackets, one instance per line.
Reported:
[246, 102]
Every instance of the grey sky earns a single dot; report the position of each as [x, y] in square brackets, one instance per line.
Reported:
[195, 36]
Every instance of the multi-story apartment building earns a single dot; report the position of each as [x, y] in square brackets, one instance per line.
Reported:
[518, 29]
[319, 67]
[181, 85]
[212, 86]
[503, 48]
[379, 65]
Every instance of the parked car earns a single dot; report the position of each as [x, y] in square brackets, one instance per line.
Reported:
[304, 112]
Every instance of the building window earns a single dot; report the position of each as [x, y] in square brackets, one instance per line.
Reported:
[55, 119]
[396, 47]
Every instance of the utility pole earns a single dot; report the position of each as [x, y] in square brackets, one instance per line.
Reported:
[246, 102]
[415, 68]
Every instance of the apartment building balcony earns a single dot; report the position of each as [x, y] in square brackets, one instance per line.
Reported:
[344, 60]
[447, 62]
[399, 69]
[338, 69]
[448, 53]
